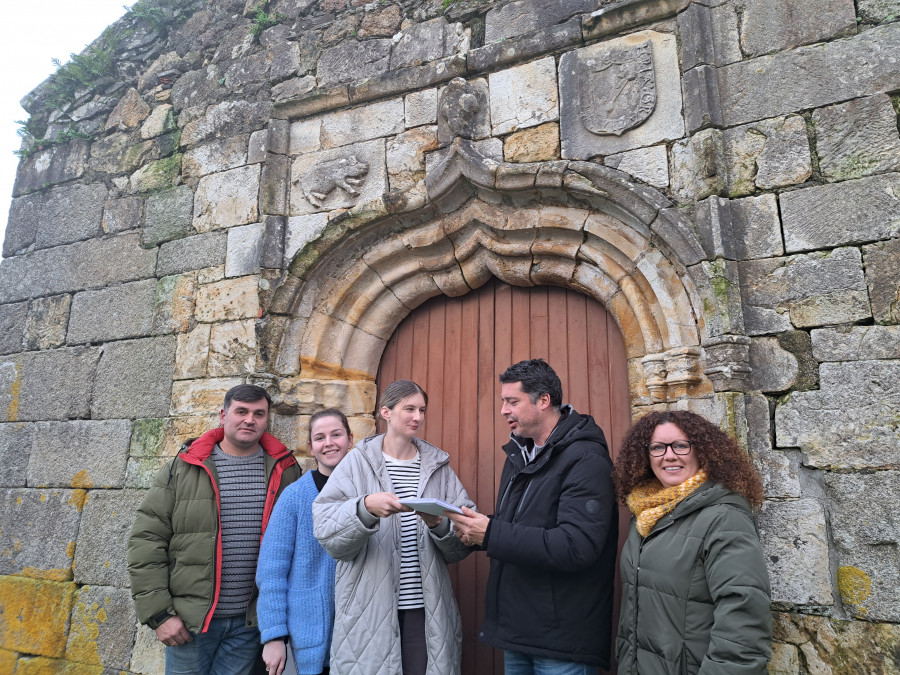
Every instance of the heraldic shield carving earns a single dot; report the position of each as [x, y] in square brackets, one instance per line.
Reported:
[620, 87]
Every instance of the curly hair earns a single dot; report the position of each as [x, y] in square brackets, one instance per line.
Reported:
[718, 453]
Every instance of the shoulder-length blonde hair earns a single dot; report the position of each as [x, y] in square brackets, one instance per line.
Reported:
[718, 453]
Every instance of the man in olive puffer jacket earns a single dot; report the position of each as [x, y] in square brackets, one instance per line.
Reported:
[194, 543]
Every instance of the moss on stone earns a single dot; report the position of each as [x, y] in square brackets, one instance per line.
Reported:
[34, 615]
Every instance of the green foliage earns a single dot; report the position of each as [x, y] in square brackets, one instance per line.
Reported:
[32, 146]
[262, 21]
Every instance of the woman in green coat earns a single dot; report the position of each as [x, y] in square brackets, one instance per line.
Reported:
[695, 590]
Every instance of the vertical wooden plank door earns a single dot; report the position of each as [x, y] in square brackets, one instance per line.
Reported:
[455, 348]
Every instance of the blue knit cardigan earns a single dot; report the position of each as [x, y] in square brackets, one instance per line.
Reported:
[295, 577]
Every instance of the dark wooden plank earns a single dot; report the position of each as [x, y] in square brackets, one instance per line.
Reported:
[520, 324]
[577, 349]
[558, 354]
[598, 367]
[540, 324]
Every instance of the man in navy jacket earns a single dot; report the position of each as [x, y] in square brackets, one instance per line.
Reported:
[552, 537]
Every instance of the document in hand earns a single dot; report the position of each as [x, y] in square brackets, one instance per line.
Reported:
[435, 507]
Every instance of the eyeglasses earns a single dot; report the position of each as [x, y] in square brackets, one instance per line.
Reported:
[678, 447]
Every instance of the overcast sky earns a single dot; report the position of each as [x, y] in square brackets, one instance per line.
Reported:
[33, 33]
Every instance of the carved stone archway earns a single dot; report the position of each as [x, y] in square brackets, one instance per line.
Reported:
[574, 224]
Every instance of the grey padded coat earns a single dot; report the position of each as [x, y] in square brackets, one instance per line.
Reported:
[366, 630]
[695, 592]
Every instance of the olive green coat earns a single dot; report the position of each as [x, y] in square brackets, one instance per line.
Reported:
[695, 592]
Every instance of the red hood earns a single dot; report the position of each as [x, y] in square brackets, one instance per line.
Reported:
[202, 448]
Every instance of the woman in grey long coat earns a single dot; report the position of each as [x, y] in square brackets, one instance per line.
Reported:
[394, 606]
[695, 590]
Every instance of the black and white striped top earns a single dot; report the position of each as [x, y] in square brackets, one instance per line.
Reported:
[405, 479]
[242, 493]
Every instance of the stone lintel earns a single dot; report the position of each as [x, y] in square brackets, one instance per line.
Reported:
[624, 15]
[493, 56]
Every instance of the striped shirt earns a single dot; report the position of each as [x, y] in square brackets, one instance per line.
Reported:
[242, 494]
[405, 479]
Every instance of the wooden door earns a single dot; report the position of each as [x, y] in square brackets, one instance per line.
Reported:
[455, 348]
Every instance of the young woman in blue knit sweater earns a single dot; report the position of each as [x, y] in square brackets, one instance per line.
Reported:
[295, 575]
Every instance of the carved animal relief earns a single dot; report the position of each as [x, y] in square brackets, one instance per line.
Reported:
[346, 173]
[622, 89]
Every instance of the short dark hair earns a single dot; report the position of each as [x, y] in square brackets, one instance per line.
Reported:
[536, 378]
[248, 393]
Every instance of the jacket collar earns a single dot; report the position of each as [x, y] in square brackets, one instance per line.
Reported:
[432, 456]
[706, 495]
[517, 445]
[201, 449]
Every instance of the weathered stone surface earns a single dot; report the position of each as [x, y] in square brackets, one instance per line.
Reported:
[196, 87]
[243, 256]
[812, 290]
[698, 168]
[286, 60]
[577, 104]
[773, 25]
[883, 279]
[774, 369]
[158, 175]
[228, 119]
[191, 353]
[300, 231]
[228, 300]
[22, 224]
[850, 422]
[858, 138]
[647, 164]
[353, 61]
[120, 153]
[363, 123]
[219, 155]
[878, 10]
[68, 397]
[128, 113]
[768, 154]
[296, 86]
[149, 655]
[173, 310]
[80, 454]
[160, 121]
[227, 199]
[47, 322]
[426, 41]
[381, 22]
[709, 35]
[103, 537]
[56, 164]
[36, 616]
[833, 646]
[856, 343]
[306, 136]
[523, 96]
[866, 538]
[112, 313]
[15, 449]
[420, 108]
[249, 70]
[464, 110]
[846, 213]
[778, 470]
[307, 395]
[406, 156]
[61, 216]
[12, 326]
[190, 253]
[102, 627]
[134, 379]
[523, 16]
[122, 214]
[232, 348]
[756, 227]
[795, 543]
[193, 396]
[38, 530]
[811, 77]
[319, 180]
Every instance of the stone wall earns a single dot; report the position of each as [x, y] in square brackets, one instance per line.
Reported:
[263, 196]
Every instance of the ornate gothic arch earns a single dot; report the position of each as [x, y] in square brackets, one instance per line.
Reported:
[574, 224]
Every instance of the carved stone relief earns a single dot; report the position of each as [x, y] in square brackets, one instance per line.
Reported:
[338, 178]
[620, 95]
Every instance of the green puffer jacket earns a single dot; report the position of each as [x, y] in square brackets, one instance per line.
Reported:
[695, 592]
[175, 547]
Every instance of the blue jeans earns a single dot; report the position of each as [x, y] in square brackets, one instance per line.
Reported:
[227, 648]
[517, 663]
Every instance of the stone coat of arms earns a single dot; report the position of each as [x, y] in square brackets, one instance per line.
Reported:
[620, 89]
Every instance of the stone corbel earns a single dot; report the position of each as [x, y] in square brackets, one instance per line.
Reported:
[670, 375]
[728, 362]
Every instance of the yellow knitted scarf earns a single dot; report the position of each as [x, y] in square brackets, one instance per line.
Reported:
[649, 501]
